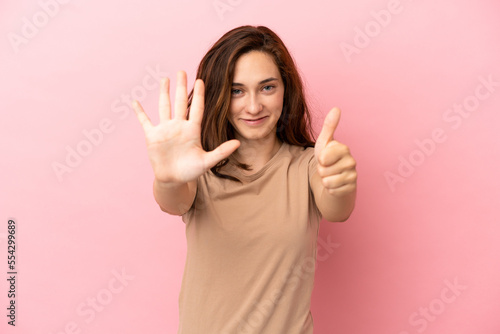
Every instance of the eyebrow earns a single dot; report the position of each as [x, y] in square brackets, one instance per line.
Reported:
[260, 83]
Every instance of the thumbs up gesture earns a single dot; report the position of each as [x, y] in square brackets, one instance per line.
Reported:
[336, 166]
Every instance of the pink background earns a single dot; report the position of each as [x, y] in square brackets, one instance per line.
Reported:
[387, 270]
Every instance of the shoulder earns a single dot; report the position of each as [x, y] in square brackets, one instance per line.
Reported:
[302, 157]
[300, 153]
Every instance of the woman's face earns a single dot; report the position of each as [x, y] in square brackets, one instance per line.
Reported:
[256, 97]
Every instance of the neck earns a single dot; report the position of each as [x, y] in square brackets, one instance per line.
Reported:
[257, 152]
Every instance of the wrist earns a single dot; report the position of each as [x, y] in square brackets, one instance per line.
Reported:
[167, 184]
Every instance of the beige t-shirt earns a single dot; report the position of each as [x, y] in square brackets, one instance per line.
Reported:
[251, 250]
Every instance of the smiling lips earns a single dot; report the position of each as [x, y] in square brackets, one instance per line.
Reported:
[255, 121]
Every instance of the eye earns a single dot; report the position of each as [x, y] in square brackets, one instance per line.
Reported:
[235, 91]
[268, 88]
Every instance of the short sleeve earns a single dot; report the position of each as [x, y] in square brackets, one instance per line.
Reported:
[313, 165]
[188, 215]
[312, 169]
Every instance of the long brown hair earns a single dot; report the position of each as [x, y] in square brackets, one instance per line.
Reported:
[216, 69]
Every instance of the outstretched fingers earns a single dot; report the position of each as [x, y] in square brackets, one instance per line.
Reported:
[164, 103]
[141, 116]
[223, 151]
[181, 98]
[198, 102]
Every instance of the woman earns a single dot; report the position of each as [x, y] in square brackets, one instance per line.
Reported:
[238, 163]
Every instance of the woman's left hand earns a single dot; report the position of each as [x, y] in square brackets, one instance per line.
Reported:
[336, 166]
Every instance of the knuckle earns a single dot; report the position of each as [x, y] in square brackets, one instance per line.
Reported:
[352, 163]
[333, 191]
[325, 182]
[344, 149]
[353, 177]
[321, 170]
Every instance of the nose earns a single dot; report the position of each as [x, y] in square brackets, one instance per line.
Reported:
[254, 105]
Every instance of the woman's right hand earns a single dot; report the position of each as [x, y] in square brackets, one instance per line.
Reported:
[174, 145]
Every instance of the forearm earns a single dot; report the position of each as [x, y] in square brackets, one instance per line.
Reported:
[174, 198]
[336, 208]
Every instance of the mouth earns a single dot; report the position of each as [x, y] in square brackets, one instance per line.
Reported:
[254, 121]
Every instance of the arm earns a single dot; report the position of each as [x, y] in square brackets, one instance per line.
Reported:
[174, 146]
[334, 183]
[174, 198]
[334, 208]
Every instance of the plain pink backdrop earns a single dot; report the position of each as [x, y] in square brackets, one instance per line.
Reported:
[427, 212]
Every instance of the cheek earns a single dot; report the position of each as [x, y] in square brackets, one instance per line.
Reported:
[234, 107]
[280, 99]
[232, 115]
[278, 105]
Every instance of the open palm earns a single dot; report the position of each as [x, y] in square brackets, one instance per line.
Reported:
[174, 145]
